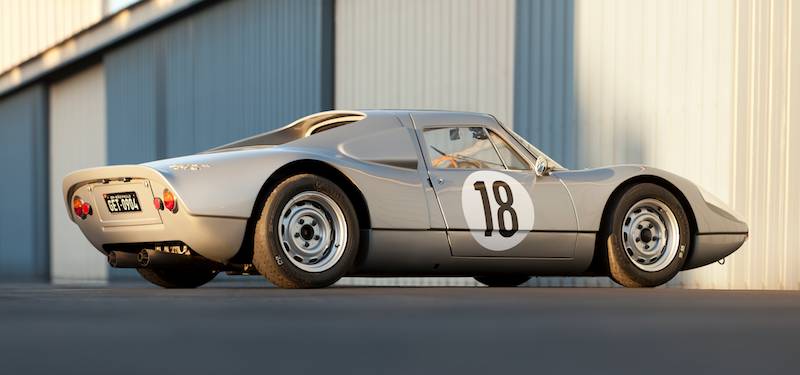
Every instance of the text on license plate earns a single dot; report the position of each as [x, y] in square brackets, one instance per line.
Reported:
[122, 202]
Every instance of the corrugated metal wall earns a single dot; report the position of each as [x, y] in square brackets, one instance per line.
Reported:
[233, 69]
[544, 78]
[700, 88]
[77, 140]
[23, 191]
[765, 138]
[28, 27]
[422, 54]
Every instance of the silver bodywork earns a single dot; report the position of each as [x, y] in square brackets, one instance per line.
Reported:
[414, 210]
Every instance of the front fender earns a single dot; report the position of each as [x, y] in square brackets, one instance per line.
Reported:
[591, 189]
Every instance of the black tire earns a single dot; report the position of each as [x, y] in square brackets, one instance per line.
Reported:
[177, 278]
[622, 268]
[502, 281]
[269, 256]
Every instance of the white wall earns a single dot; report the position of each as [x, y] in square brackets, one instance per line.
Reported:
[704, 89]
[28, 27]
[77, 140]
[765, 160]
[423, 54]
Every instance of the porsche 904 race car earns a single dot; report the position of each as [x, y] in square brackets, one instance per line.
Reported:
[396, 193]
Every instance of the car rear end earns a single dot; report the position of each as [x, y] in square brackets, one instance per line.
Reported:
[131, 208]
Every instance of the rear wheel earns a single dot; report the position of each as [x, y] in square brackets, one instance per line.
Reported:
[502, 281]
[307, 235]
[177, 278]
[647, 237]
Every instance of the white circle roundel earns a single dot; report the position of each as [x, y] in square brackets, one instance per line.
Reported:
[498, 209]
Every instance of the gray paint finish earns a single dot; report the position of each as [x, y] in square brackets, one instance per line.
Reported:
[23, 193]
[232, 70]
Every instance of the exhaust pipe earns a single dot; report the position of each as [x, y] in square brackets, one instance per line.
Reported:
[121, 259]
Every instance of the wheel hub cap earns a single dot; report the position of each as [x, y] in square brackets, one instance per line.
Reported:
[312, 231]
[650, 235]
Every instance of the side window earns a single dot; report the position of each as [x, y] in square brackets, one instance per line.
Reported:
[509, 156]
[461, 147]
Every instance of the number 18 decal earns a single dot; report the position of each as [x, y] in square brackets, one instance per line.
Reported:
[498, 209]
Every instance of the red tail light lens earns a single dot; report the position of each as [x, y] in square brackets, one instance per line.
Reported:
[158, 203]
[81, 208]
[169, 200]
[77, 206]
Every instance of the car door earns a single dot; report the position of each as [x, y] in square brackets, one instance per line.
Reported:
[493, 203]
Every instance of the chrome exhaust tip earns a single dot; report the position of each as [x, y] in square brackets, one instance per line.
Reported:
[121, 259]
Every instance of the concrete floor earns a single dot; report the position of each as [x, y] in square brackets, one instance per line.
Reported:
[229, 327]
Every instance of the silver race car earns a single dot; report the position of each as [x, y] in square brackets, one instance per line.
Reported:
[395, 193]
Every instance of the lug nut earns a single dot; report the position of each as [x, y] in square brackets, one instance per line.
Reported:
[639, 226]
[638, 239]
[305, 244]
[316, 237]
[313, 223]
[296, 235]
[301, 221]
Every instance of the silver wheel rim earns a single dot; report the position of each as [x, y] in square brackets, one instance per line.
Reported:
[313, 231]
[650, 235]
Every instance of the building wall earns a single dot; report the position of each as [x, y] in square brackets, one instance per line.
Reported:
[23, 192]
[702, 88]
[28, 27]
[77, 140]
[699, 88]
[422, 54]
[232, 70]
[765, 142]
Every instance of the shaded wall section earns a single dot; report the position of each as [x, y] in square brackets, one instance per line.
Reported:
[23, 192]
[544, 77]
[231, 70]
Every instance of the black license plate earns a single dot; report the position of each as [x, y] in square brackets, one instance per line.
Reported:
[122, 202]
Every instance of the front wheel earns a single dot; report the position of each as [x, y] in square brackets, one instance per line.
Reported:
[647, 237]
[307, 235]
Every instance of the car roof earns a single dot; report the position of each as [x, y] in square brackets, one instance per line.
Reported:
[308, 125]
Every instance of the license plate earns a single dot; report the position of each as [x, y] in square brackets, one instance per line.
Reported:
[122, 202]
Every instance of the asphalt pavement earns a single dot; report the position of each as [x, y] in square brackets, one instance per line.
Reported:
[229, 327]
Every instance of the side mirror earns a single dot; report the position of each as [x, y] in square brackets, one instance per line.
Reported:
[542, 166]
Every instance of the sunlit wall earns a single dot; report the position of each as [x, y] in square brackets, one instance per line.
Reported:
[28, 27]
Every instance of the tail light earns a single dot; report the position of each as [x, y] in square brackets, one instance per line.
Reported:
[80, 208]
[169, 200]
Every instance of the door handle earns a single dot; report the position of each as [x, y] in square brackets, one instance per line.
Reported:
[440, 181]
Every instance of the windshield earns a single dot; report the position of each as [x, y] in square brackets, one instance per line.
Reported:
[533, 150]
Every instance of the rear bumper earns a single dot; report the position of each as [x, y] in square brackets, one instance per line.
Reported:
[709, 248]
[216, 238]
